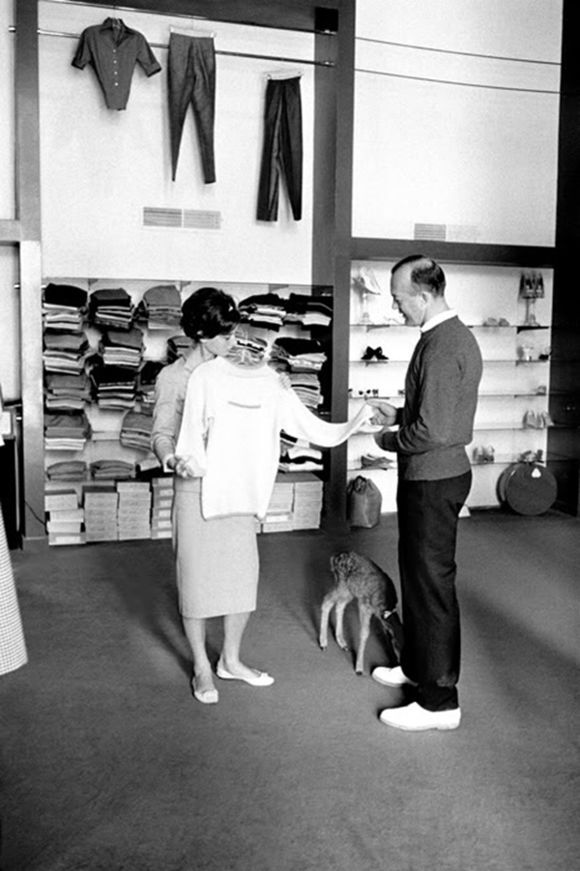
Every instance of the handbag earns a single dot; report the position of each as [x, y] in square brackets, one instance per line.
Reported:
[364, 502]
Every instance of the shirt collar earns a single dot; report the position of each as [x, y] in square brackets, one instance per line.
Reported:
[438, 319]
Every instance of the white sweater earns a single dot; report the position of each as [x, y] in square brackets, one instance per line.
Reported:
[230, 433]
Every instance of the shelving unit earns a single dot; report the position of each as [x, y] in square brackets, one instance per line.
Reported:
[105, 444]
[517, 358]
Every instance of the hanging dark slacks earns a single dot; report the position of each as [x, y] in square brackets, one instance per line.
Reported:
[191, 79]
[428, 514]
[282, 149]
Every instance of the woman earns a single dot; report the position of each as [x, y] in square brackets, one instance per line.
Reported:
[209, 318]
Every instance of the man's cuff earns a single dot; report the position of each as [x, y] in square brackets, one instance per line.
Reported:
[387, 441]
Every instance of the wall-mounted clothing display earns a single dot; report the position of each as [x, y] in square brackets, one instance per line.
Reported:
[282, 148]
[191, 79]
[113, 50]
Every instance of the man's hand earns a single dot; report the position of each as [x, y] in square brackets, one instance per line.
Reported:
[385, 414]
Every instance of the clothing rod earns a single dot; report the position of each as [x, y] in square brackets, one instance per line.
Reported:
[292, 60]
[458, 84]
[410, 45]
[114, 7]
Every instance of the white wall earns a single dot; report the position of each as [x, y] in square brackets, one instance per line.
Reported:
[481, 161]
[101, 167]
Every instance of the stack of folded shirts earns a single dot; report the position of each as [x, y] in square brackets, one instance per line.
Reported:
[64, 351]
[133, 511]
[162, 507]
[177, 346]
[146, 382]
[64, 307]
[67, 470]
[136, 430]
[309, 311]
[111, 307]
[308, 495]
[299, 355]
[307, 386]
[300, 458]
[113, 386]
[122, 348]
[248, 349]
[100, 504]
[110, 470]
[279, 514]
[66, 432]
[160, 307]
[66, 391]
[265, 310]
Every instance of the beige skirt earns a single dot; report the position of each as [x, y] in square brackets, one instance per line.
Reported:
[216, 560]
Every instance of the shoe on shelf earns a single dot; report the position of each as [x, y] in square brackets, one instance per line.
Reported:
[379, 354]
[414, 718]
[368, 354]
[391, 677]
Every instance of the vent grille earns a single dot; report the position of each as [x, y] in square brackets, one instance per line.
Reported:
[177, 219]
[198, 220]
[433, 232]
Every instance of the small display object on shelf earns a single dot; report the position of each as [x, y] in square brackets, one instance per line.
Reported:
[365, 283]
[531, 289]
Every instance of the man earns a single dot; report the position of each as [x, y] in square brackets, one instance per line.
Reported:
[435, 425]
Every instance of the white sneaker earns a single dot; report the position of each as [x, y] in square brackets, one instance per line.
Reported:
[391, 677]
[414, 718]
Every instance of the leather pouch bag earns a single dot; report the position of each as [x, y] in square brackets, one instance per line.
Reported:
[364, 502]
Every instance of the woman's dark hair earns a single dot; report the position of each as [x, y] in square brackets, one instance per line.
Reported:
[207, 313]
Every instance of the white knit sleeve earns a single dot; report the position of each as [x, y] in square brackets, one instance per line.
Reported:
[298, 421]
[191, 444]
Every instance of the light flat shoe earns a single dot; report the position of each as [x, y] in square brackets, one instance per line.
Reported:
[414, 718]
[258, 679]
[206, 697]
[391, 677]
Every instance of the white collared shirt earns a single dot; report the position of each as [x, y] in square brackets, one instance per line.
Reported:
[438, 319]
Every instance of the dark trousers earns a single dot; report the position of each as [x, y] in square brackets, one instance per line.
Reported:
[191, 79]
[282, 149]
[427, 514]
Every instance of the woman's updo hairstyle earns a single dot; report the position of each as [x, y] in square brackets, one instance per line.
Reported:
[207, 313]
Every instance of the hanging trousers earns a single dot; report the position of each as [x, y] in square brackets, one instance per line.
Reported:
[191, 79]
[428, 513]
[282, 149]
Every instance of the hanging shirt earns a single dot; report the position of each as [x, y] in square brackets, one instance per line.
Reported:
[230, 433]
[113, 49]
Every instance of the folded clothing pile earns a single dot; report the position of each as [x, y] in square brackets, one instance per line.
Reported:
[160, 307]
[136, 430]
[122, 348]
[66, 391]
[112, 386]
[64, 307]
[112, 307]
[66, 431]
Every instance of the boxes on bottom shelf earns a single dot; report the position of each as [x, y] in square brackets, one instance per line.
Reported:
[61, 500]
[296, 503]
[59, 538]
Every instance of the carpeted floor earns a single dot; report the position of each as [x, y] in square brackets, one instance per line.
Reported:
[107, 762]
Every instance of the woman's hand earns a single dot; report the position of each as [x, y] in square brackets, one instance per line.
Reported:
[384, 414]
[182, 468]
